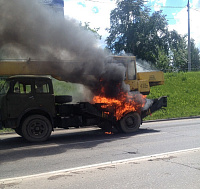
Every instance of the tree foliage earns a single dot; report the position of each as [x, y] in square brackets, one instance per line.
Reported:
[134, 30]
[126, 22]
[178, 50]
[195, 54]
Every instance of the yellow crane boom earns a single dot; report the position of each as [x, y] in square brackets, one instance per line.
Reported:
[138, 81]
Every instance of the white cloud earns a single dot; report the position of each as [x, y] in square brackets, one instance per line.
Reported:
[97, 13]
[181, 22]
[157, 4]
[195, 3]
[157, 7]
[181, 25]
[163, 2]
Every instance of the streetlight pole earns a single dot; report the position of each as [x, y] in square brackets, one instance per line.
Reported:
[189, 44]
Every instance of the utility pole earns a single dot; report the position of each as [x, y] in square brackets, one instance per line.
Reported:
[189, 44]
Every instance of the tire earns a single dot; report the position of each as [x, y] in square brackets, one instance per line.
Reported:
[130, 123]
[36, 128]
[63, 99]
[18, 130]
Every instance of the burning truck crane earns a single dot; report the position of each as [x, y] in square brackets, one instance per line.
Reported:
[27, 100]
[29, 106]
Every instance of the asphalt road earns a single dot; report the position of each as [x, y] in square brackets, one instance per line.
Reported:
[75, 150]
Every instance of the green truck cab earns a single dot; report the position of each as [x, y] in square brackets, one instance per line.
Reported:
[24, 96]
[28, 105]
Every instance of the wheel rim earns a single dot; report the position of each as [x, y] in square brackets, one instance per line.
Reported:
[37, 128]
[130, 122]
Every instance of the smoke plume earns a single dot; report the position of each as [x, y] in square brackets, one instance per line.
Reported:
[144, 66]
[30, 30]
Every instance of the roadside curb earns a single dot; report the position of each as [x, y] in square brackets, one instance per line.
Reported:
[6, 133]
[171, 119]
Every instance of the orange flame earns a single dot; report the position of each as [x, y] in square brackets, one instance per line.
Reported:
[108, 133]
[124, 103]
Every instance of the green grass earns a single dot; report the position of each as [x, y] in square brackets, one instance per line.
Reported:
[63, 88]
[6, 130]
[182, 91]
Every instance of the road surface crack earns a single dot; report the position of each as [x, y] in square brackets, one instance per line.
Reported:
[185, 165]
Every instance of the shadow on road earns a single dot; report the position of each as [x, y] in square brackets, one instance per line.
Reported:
[15, 147]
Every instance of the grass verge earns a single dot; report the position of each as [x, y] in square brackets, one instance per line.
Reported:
[182, 91]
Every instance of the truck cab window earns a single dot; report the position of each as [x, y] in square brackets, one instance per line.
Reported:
[16, 88]
[4, 87]
[131, 71]
[41, 87]
[22, 88]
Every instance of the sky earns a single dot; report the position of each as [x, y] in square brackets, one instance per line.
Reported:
[97, 14]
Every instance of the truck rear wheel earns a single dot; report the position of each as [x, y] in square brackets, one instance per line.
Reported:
[36, 128]
[130, 122]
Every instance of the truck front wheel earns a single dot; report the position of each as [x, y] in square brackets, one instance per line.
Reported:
[36, 128]
[130, 122]
[18, 130]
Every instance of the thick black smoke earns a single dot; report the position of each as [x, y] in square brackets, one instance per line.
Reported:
[30, 30]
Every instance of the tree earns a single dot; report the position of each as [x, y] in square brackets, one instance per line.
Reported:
[125, 21]
[163, 61]
[134, 31]
[195, 56]
[178, 50]
[153, 39]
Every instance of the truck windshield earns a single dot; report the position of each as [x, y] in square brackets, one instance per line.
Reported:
[131, 71]
[4, 86]
[128, 62]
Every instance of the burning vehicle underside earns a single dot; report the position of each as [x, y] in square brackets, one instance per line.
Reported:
[127, 118]
[114, 114]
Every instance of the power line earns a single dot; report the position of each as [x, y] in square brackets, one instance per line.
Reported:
[159, 6]
[172, 7]
[100, 1]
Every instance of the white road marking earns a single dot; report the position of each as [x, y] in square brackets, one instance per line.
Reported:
[100, 165]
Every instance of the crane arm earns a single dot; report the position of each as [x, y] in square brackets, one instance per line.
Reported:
[9, 68]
